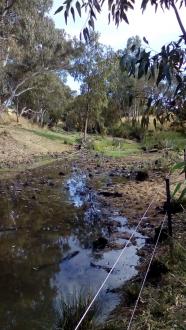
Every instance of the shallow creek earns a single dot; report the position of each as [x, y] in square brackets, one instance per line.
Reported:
[48, 223]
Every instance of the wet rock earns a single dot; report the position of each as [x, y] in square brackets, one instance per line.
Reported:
[4, 229]
[106, 268]
[157, 268]
[141, 253]
[51, 228]
[78, 146]
[110, 194]
[61, 173]
[112, 174]
[99, 243]
[122, 235]
[149, 240]
[44, 266]
[117, 246]
[42, 181]
[70, 256]
[175, 207]
[50, 183]
[163, 236]
[153, 150]
[26, 184]
[141, 175]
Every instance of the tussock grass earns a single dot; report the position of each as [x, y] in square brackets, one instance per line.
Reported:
[70, 311]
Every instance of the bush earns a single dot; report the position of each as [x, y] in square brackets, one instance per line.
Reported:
[128, 131]
[164, 140]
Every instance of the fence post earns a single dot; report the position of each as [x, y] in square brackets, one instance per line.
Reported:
[168, 208]
[184, 156]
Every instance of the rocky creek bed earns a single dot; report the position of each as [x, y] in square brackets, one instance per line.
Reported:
[62, 227]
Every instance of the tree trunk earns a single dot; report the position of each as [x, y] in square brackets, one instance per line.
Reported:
[86, 126]
[86, 123]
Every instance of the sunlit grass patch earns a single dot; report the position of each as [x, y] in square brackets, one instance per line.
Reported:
[66, 138]
[115, 147]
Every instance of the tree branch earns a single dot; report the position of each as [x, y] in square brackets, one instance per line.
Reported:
[179, 20]
[24, 91]
[8, 7]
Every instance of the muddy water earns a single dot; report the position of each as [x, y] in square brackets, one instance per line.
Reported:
[48, 223]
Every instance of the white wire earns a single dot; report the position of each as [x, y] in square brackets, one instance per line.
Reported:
[144, 280]
[102, 285]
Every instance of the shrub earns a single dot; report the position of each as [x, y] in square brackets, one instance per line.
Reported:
[128, 131]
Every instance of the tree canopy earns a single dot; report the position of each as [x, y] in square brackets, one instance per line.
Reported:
[31, 47]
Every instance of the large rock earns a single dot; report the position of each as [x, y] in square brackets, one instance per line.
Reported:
[106, 193]
[141, 175]
[100, 243]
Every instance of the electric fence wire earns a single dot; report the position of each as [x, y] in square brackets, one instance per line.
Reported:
[146, 274]
[114, 265]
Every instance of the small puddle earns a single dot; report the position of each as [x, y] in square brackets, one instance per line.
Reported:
[47, 229]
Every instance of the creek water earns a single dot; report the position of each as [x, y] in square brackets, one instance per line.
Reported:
[48, 224]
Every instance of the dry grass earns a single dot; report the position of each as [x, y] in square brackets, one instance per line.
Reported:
[19, 144]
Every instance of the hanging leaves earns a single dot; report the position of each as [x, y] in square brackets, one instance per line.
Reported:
[117, 9]
[73, 13]
[78, 7]
[145, 40]
[59, 10]
[86, 34]
[178, 166]
[66, 16]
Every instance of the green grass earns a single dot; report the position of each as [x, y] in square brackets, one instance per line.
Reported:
[115, 147]
[63, 137]
[165, 139]
[118, 147]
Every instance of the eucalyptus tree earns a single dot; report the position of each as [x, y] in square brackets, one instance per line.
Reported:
[33, 47]
[91, 70]
[163, 66]
[46, 101]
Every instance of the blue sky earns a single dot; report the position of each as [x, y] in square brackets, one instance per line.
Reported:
[159, 28]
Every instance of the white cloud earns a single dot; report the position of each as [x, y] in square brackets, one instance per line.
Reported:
[158, 28]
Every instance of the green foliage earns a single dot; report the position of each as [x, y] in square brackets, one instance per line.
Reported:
[48, 94]
[31, 49]
[90, 69]
[128, 131]
[164, 139]
[180, 187]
